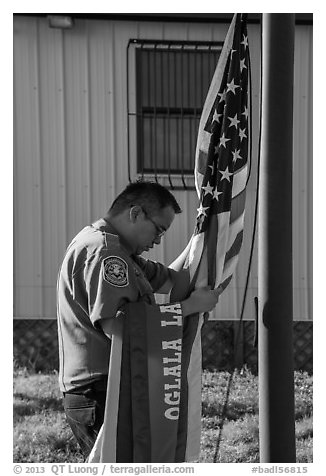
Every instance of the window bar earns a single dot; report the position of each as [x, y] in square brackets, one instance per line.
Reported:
[182, 114]
[141, 121]
[128, 114]
[176, 101]
[175, 105]
[193, 119]
[155, 110]
[181, 118]
[211, 62]
[201, 85]
[192, 129]
[168, 118]
[162, 103]
[149, 159]
[201, 77]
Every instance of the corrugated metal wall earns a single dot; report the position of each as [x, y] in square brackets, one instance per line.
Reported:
[70, 152]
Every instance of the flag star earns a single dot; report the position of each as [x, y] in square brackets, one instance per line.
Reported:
[231, 86]
[236, 155]
[226, 174]
[242, 134]
[223, 140]
[234, 121]
[208, 189]
[245, 41]
[222, 96]
[245, 113]
[202, 210]
[216, 195]
[216, 117]
[242, 64]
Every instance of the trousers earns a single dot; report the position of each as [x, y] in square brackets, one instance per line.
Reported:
[84, 411]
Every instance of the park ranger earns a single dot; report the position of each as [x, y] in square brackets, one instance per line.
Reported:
[102, 271]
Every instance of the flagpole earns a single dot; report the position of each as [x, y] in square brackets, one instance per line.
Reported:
[275, 348]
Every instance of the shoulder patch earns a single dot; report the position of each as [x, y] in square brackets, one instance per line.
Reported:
[115, 271]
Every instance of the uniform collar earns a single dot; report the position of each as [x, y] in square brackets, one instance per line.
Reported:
[106, 227]
[103, 225]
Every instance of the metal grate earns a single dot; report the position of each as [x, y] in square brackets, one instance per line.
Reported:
[165, 104]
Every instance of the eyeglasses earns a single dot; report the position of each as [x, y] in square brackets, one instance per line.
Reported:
[159, 231]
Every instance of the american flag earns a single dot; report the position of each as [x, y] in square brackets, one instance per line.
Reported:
[221, 167]
[221, 172]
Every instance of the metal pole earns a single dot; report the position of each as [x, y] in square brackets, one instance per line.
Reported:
[275, 348]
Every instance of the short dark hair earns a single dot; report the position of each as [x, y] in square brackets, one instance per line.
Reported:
[149, 195]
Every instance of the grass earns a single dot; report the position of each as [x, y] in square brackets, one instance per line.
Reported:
[240, 434]
[41, 434]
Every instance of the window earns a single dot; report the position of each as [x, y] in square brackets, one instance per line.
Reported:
[171, 84]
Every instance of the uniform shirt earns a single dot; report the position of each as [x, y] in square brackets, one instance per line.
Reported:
[96, 279]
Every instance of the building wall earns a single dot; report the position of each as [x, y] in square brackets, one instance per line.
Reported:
[71, 152]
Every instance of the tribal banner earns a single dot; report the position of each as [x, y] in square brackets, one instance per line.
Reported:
[146, 415]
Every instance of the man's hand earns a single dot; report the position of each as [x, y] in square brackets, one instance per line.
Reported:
[201, 300]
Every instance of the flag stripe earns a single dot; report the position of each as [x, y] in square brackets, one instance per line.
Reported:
[234, 229]
[190, 329]
[211, 251]
[124, 448]
[221, 246]
[229, 268]
[235, 248]
[180, 261]
[239, 181]
[194, 397]
[104, 449]
[195, 255]
[140, 386]
[202, 275]
[238, 206]
[225, 281]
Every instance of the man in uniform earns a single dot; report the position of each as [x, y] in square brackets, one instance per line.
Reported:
[101, 271]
